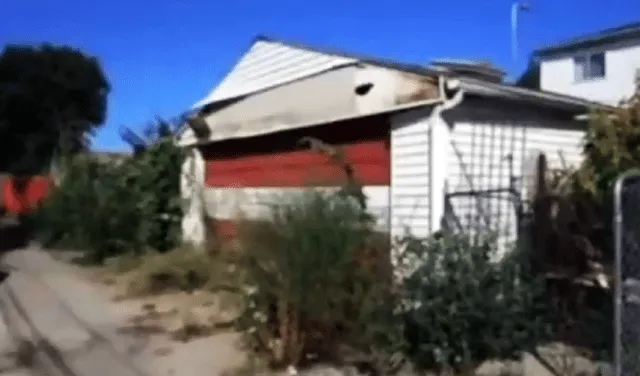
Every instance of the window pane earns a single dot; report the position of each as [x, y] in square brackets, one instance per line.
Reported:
[596, 66]
[580, 68]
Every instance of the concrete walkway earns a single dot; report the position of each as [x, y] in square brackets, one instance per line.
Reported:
[64, 322]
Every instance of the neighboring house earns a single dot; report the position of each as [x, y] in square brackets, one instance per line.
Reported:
[601, 67]
[111, 156]
[445, 145]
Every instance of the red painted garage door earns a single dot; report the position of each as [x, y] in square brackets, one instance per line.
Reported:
[370, 160]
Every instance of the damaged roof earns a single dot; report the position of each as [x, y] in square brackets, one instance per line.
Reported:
[521, 94]
[475, 85]
[272, 62]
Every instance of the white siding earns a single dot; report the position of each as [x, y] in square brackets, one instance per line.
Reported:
[561, 145]
[621, 63]
[410, 174]
[481, 156]
[487, 151]
[268, 64]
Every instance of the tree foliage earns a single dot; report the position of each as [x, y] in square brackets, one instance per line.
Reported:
[51, 99]
[112, 207]
[572, 228]
[612, 147]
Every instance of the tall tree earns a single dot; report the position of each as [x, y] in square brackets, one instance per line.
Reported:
[52, 99]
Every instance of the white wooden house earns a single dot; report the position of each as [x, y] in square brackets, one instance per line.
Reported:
[446, 145]
[602, 66]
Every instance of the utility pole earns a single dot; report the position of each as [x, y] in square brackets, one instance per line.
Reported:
[516, 7]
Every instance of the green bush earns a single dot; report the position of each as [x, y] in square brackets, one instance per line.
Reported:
[462, 307]
[109, 207]
[612, 147]
[573, 227]
[305, 284]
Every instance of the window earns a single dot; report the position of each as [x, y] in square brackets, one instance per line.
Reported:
[589, 67]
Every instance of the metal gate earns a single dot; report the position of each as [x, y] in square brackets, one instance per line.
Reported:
[627, 275]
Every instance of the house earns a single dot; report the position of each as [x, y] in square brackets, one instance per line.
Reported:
[443, 145]
[602, 66]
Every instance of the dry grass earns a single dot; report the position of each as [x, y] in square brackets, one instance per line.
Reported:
[183, 316]
[182, 269]
[175, 293]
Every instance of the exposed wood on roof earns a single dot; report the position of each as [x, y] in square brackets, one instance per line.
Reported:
[414, 88]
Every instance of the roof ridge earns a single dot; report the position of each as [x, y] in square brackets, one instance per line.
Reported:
[591, 37]
[365, 58]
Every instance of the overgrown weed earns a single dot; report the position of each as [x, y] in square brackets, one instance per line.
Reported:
[181, 269]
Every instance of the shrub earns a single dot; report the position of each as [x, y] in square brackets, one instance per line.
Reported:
[182, 269]
[462, 307]
[611, 148]
[306, 292]
[572, 230]
[111, 207]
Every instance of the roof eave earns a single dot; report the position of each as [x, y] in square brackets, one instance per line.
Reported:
[507, 92]
[587, 43]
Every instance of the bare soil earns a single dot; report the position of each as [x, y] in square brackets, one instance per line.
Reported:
[175, 334]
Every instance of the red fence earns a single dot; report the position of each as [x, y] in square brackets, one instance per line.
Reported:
[19, 196]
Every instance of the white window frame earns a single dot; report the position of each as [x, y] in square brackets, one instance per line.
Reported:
[587, 72]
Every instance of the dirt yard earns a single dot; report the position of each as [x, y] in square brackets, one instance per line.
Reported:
[74, 323]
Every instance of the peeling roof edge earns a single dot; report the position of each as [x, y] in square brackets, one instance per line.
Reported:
[346, 117]
[226, 72]
[470, 85]
[559, 101]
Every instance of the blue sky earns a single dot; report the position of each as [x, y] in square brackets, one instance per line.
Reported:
[161, 56]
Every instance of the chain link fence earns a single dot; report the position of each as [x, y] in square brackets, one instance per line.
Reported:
[627, 275]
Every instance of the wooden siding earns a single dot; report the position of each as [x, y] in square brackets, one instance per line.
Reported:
[479, 162]
[279, 160]
[243, 177]
[410, 178]
[487, 147]
[370, 160]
